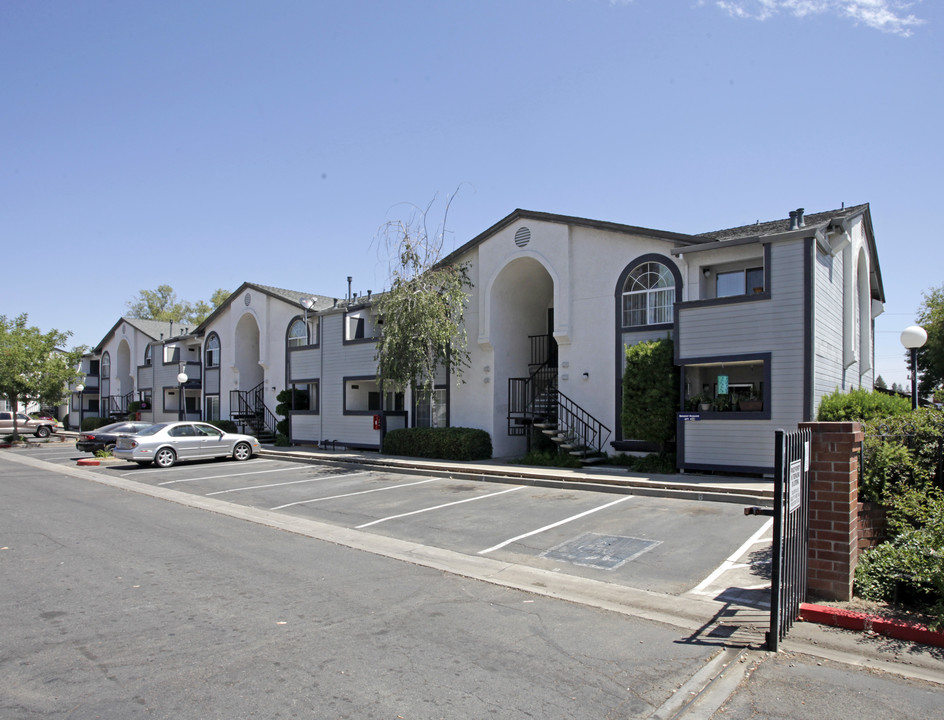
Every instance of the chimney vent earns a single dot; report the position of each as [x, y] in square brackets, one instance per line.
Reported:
[793, 220]
[800, 221]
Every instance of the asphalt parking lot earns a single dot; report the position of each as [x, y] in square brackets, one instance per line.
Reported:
[663, 545]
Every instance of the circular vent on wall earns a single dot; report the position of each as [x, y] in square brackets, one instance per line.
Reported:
[248, 298]
[522, 236]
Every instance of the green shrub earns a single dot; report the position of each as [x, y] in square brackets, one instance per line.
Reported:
[860, 405]
[909, 569]
[449, 443]
[549, 458]
[227, 426]
[281, 440]
[286, 403]
[901, 450]
[650, 391]
[660, 463]
[91, 423]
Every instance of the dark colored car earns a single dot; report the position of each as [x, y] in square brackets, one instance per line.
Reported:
[105, 437]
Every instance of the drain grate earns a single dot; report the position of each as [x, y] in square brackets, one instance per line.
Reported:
[603, 552]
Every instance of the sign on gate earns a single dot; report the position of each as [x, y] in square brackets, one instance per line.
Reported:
[791, 539]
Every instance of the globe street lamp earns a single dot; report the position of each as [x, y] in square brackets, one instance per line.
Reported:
[181, 380]
[912, 338]
[80, 388]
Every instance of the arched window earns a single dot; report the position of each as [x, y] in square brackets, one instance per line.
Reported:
[297, 333]
[106, 365]
[147, 356]
[648, 295]
[212, 350]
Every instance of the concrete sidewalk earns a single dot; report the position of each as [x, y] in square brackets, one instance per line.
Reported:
[609, 478]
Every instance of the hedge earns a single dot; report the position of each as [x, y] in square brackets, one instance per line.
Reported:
[449, 443]
[860, 405]
[92, 423]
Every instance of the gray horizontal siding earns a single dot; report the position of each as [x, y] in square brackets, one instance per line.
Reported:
[748, 443]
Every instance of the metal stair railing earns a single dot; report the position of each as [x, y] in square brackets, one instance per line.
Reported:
[250, 409]
[580, 427]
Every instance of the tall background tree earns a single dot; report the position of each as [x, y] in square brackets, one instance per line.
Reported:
[162, 303]
[930, 316]
[423, 310]
[33, 365]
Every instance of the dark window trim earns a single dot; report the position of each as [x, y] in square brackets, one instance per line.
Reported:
[219, 350]
[355, 378]
[311, 410]
[718, 359]
[354, 341]
[620, 329]
[621, 283]
[413, 398]
[308, 344]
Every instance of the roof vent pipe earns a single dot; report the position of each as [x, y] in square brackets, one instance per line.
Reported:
[349, 278]
[800, 221]
[793, 220]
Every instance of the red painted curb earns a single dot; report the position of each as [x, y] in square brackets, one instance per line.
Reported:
[88, 461]
[851, 620]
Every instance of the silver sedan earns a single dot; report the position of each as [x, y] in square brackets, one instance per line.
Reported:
[166, 443]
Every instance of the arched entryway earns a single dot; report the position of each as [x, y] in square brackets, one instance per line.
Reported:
[124, 379]
[521, 324]
[249, 372]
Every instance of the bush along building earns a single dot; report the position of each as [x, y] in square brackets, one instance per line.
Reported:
[765, 319]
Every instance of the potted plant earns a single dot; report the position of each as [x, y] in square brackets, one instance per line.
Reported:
[722, 403]
[701, 403]
[751, 403]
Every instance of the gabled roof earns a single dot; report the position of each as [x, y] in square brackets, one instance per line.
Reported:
[519, 214]
[774, 227]
[292, 297]
[152, 328]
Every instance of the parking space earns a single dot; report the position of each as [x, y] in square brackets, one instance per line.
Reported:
[660, 544]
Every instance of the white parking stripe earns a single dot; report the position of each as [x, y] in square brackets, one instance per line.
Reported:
[227, 475]
[290, 482]
[554, 525]
[361, 492]
[164, 470]
[731, 562]
[437, 507]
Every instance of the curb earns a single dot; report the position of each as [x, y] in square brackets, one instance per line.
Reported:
[88, 461]
[851, 620]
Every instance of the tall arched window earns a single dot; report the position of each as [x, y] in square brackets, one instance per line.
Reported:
[212, 350]
[297, 333]
[648, 295]
[147, 356]
[106, 365]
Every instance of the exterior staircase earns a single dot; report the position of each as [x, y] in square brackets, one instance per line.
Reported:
[249, 412]
[535, 402]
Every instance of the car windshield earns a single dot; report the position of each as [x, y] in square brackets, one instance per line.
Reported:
[153, 430]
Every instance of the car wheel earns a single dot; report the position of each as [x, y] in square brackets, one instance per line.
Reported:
[242, 451]
[109, 447]
[42, 431]
[165, 457]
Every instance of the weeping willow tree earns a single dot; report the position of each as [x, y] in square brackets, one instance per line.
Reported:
[422, 314]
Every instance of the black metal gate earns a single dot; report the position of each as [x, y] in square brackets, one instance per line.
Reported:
[791, 539]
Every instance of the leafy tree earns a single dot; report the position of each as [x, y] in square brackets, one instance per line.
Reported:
[931, 357]
[202, 309]
[423, 310]
[897, 388]
[880, 383]
[650, 391]
[158, 304]
[162, 303]
[32, 365]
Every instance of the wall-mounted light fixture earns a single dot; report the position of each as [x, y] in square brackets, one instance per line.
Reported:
[706, 271]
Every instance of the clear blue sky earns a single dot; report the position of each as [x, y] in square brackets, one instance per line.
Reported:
[205, 143]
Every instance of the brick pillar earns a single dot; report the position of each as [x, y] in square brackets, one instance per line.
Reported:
[834, 498]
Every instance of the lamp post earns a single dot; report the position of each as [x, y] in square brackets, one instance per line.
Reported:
[912, 338]
[80, 388]
[181, 380]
